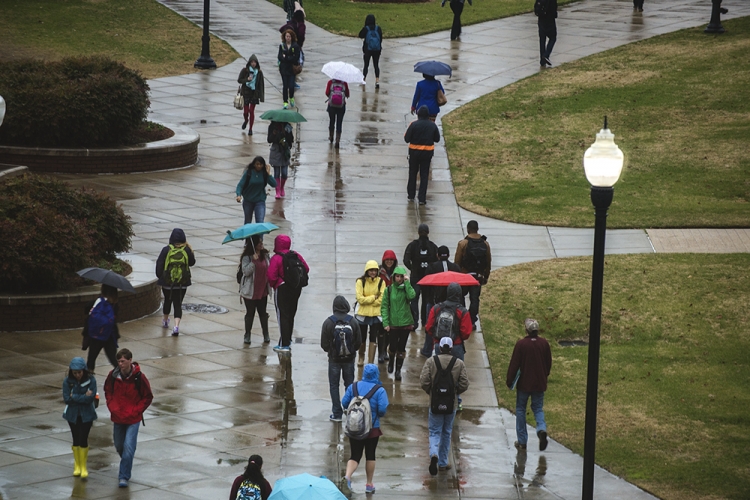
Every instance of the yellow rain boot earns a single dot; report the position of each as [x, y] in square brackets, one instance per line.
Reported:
[77, 467]
[83, 457]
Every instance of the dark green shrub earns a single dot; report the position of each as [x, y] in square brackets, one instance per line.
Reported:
[76, 102]
[50, 230]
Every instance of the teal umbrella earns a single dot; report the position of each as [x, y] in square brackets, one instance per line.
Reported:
[248, 230]
[305, 487]
[283, 115]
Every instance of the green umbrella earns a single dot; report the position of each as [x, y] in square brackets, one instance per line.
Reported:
[283, 115]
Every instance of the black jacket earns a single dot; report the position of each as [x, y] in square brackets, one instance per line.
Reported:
[551, 12]
[422, 132]
[435, 294]
[369, 23]
[340, 310]
[288, 57]
[416, 252]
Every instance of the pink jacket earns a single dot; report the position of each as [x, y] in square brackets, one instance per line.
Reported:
[281, 245]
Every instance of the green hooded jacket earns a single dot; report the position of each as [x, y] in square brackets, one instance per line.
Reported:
[395, 309]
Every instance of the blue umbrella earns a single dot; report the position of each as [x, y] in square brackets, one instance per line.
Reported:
[305, 487]
[433, 68]
[248, 230]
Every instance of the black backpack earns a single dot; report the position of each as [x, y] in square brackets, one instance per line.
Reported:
[475, 256]
[541, 8]
[295, 274]
[443, 396]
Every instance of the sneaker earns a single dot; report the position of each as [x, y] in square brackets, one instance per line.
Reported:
[519, 446]
[548, 62]
[286, 105]
[433, 466]
[423, 203]
[348, 483]
[410, 199]
[333, 418]
[444, 467]
[165, 323]
[291, 102]
[244, 125]
[369, 488]
[542, 440]
[175, 331]
[123, 483]
[296, 86]
[277, 348]
[460, 407]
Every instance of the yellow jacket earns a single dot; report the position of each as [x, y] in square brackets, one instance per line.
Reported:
[370, 292]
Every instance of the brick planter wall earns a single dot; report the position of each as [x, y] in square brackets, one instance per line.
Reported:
[179, 151]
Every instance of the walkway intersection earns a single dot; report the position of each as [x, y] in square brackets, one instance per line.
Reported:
[218, 401]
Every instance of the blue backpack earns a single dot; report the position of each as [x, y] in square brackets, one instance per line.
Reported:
[101, 321]
[372, 40]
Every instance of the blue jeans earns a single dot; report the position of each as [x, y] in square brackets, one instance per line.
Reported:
[537, 407]
[441, 427]
[335, 372]
[125, 437]
[256, 207]
[287, 82]
[281, 172]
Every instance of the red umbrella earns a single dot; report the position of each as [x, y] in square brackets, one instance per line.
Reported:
[447, 277]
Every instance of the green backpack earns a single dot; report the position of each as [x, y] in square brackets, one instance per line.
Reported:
[176, 267]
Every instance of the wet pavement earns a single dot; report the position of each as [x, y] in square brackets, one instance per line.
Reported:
[218, 401]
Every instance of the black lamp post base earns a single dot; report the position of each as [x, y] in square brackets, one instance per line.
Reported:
[714, 25]
[205, 62]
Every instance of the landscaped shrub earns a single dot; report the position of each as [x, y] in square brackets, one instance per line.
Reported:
[50, 230]
[76, 102]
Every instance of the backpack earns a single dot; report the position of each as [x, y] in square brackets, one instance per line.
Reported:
[540, 8]
[343, 334]
[372, 39]
[424, 257]
[446, 323]
[295, 274]
[337, 99]
[358, 422]
[443, 395]
[248, 491]
[101, 320]
[475, 256]
[176, 267]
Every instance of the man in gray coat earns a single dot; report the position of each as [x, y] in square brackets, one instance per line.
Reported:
[340, 337]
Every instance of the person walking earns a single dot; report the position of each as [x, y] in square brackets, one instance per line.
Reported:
[443, 377]
[378, 407]
[474, 256]
[288, 57]
[546, 12]
[528, 370]
[457, 6]
[638, 5]
[419, 254]
[287, 289]
[251, 189]
[128, 395]
[173, 270]
[432, 295]
[387, 265]
[340, 337]
[369, 288]
[297, 25]
[281, 138]
[398, 321]
[337, 93]
[101, 327]
[421, 136]
[253, 91]
[372, 46]
[254, 287]
[251, 483]
[426, 94]
[79, 394]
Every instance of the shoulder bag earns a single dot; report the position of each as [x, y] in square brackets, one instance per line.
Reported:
[440, 98]
[239, 101]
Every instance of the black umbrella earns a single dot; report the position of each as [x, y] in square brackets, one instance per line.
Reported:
[106, 277]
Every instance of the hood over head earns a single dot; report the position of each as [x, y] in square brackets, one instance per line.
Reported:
[400, 270]
[78, 363]
[371, 264]
[282, 244]
[253, 58]
[454, 293]
[371, 373]
[370, 20]
[177, 236]
[423, 112]
[341, 305]
[389, 254]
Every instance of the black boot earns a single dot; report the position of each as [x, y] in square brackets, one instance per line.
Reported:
[338, 140]
[248, 327]
[264, 326]
[390, 362]
[330, 135]
[382, 356]
[399, 364]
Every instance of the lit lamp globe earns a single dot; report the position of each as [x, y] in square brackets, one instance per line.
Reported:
[602, 162]
[2, 109]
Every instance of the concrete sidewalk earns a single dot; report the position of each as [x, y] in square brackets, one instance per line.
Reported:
[217, 400]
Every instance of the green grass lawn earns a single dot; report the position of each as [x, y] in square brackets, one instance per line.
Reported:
[677, 105]
[406, 19]
[142, 34]
[674, 387]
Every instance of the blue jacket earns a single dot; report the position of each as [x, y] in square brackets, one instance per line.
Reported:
[76, 402]
[378, 401]
[426, 95]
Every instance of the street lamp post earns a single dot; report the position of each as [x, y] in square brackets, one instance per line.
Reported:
[714, 25]
[2, 109]
[205, 61]
[602, 163]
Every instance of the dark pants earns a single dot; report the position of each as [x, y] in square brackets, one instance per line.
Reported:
[474, 293]
[287, 82]
[80, 431]
[638, 4]
[398, 339]
[95, 347]
[256, 305]
[173, 296]
[337, 371]
[547, 30]
[457, 8]
[367, 445]
[336, 116]
[287, 299]
[419, 163]
[416, 310]
[375, 63]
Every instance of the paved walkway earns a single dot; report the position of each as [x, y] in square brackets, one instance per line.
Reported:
[219, 401]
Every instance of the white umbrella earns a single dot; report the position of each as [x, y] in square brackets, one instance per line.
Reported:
[339, 70]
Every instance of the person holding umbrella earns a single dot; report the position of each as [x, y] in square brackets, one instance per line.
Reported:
[173, 270]
[101, 327]
[251, 190]
[281, 138]
[337, 92]
[79, 393]
[254, 286]
[426, 94]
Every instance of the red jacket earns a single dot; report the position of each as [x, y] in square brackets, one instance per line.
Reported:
[533, 357]
[127, 398]
[464, 324]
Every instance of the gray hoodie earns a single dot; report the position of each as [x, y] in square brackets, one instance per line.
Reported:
[341, 310]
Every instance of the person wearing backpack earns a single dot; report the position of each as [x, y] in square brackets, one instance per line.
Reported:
[419, 254]
[337, 93]
[101, 327]
[398, 322]
[173, 270]
[434, 294]
[474, 256]
[251, 482]
[372, 46]
[281, 139]
[369, 289]
[340, 337]
[252, 84]
[251, 189]
[79, 393]
[254, 287]
[443, 377]
[457, 6]
[287, 275]
[378, 405]
[546, 13]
